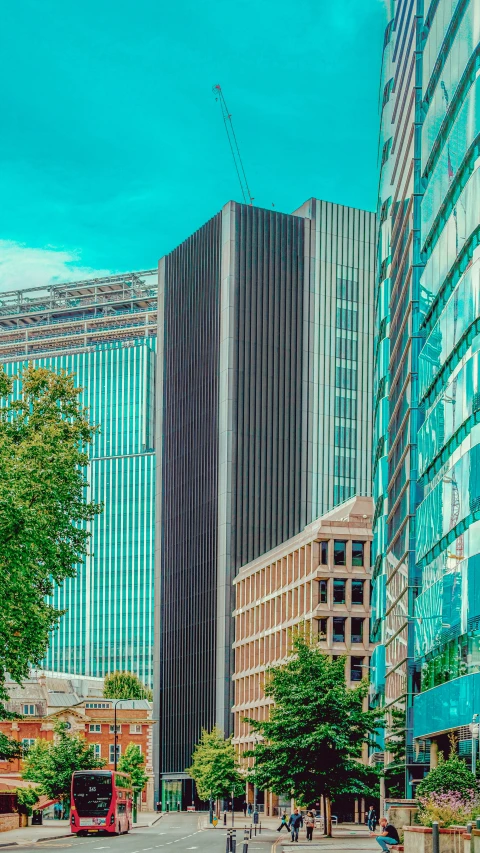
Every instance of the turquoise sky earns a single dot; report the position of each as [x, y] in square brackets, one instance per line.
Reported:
[113, 149]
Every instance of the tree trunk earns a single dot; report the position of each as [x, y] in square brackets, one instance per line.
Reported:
[324, 802]
[328, 816]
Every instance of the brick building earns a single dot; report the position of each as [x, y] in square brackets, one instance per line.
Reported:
[43, 701]
[320, 577]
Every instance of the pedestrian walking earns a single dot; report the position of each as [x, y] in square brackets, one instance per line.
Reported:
[388, 835]
[284, 823]
[249, 809]
[372, 819]
[310, 825]
[294, 824]
[244, 807]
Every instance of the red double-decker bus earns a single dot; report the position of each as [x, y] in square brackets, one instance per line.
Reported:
[101, 801]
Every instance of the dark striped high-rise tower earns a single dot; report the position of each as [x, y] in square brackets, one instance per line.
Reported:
[264, 389]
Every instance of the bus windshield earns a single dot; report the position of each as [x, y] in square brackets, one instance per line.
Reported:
[92, 793]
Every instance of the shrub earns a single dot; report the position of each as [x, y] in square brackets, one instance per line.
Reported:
[450, 776]
[450, 808]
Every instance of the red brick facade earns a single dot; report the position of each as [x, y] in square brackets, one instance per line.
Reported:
[135, 726]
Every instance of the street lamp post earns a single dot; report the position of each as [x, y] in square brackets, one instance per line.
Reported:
[115, 737]
[115, 732]
[474, 743]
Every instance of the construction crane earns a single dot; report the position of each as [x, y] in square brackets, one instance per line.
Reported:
[232, 139]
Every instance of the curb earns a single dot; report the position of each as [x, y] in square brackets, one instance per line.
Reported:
[49, 838]
[276, 844]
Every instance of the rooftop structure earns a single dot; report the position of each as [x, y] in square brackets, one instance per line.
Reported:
[77, 315]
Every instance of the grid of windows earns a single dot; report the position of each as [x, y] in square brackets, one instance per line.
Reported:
[108, 619]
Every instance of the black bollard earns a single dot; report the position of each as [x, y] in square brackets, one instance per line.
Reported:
[234, 841]
[250, 830]
[260, 828]
[245, 841]
[435, 837]
[224, 818]
[228, 847]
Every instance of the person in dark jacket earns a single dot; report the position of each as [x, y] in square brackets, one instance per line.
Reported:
[244, 807]
[371, 819]
[295, 822]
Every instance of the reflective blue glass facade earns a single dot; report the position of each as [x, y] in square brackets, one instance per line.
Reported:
[105, 334]
[447, 612]
[396, 413]
[426, 607]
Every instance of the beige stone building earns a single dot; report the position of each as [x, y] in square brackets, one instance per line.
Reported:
[320, 577]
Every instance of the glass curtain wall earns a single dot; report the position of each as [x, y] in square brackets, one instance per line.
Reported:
[396, 414]
[448, 529]
[108, 623]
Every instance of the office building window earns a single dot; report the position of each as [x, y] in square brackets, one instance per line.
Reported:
[97, 748]
[111, 752]
[339, 553]
[339, 629]
[323, 592]
[357, 592]
[98, 705]
[29, 710]
[357, 553]
[322, 628]
[94, 727]
[135, 729]
[324, 553]
[356, 668]
[357, 630]
[339, 587]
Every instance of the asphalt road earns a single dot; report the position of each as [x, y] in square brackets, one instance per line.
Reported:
[174, 833]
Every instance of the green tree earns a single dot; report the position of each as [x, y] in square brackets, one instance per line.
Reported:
[27, 798]
[312, 742]
[125, 685]
[44, 438]
[396, 745]
[215, 768]
[51, 763]
[9, 748]
[133, 763]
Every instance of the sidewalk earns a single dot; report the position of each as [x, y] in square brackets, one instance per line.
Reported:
[53, 829]
[347, 836]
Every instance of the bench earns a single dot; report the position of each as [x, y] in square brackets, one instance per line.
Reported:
[397, 847]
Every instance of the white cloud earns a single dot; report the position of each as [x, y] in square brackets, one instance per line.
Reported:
[22, 266]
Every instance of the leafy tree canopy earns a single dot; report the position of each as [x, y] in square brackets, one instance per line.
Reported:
[133, 762]
[27, 798]
[44, 438]
[317, 727]
[125, 685]
[450, 775]
[51, 763]
[9, 749]
[215, 767]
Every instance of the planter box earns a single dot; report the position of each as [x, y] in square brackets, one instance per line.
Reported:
[418, 839]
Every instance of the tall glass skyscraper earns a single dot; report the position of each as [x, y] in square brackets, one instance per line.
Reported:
[263, 422]
[425, 384]
[104, 332]
[447, 613]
